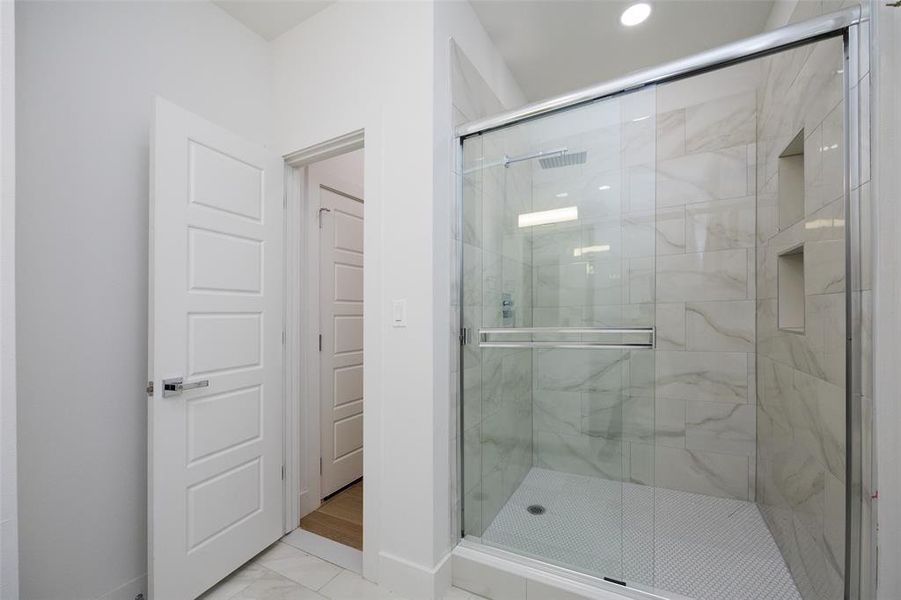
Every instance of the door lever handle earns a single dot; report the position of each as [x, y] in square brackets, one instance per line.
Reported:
[176, 385]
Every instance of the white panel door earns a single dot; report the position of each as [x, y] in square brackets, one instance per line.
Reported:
[341, 324]
[215, 447]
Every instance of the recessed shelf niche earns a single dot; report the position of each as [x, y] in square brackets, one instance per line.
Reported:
[790, 284]
[790, 199]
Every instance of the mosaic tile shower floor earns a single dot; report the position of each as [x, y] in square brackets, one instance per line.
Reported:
[693, 545]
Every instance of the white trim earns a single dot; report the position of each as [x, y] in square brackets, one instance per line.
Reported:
[326, 549]
[411, 580]
[9, 516]
[483, 569]
[302, 349]
[885, 184]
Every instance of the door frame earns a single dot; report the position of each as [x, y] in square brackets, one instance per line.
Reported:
[302, 363]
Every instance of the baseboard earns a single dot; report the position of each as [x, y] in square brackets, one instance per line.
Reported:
[415, 581]
[129, 590]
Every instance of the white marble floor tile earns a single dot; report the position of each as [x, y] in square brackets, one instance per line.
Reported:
[234, 583]
[350, 586]
[298, 566]
[272, 586]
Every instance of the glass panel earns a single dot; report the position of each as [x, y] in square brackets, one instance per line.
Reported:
[712, 209]
[558, 234]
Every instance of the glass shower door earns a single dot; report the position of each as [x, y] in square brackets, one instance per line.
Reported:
[558, 291]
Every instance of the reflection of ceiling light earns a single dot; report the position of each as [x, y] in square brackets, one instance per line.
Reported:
[590, 250]
[604, 188]
[821, 223]
[546, 217]
[562, 194]
[635, 14]
[637, 119]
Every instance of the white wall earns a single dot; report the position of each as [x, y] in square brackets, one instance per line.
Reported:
[87, 75]
[9, 543]
[369, 66]
[886, 132]
[383, 67]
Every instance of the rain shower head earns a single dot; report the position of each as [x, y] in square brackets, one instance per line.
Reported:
[550, 159]
[564, 159]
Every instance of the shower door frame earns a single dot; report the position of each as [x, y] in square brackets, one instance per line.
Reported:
[845, 24]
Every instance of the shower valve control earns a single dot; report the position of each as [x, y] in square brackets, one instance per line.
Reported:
[507, 313]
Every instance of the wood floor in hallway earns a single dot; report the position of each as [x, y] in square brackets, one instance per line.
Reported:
[340, 518]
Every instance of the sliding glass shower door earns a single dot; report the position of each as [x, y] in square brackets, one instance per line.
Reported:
[655, 293]
[558, 294]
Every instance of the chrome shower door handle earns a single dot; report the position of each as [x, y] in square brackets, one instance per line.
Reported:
[176, 385]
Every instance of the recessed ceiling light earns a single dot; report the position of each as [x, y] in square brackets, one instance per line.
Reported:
[604, 188]
[562, 195]
[635, 14]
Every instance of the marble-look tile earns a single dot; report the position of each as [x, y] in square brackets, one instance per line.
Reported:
[640, 464]
[581, 455]
[639, 183]
[271, 586]
[722, 123]
[714, 474]
[560, 285]
[720, 225]
[823, 163]
[824, 267]
[234, 583]
[559, 412]
[472, 457]
[580, 371]
[703, 177]
[725, 326]
[670, 230]
[709, 376]
[818, 419]
[350, 586]
[721, 275]
[298, 566]
[864, 129]
[670, 134]
[669, 423]
[670, 324]
[718, 427]
[641, 282]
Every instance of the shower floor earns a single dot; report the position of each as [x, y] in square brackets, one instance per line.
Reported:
[689, 544]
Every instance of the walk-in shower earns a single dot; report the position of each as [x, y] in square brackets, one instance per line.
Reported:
[660, 298]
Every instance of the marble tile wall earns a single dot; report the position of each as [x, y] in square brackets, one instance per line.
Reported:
[705, 417]
[496, 434]
[594, 410]
[801, 374]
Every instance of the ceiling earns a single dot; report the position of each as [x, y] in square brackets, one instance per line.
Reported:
[271, 18]
[556, 46]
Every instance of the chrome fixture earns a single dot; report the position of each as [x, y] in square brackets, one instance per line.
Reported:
[176, 385]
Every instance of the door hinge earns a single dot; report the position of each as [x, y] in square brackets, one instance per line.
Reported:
[283, 472]
[149, 388]
[320, 465]
[320, 342]
[284, 337]
[465, 336]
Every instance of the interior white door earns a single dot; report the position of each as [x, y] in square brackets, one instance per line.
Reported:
[341, 325]
[215, 446]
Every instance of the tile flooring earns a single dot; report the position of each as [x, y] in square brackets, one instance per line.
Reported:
[283, 572]
[698, 546]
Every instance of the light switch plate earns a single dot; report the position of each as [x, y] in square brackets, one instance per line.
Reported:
[399, 313]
